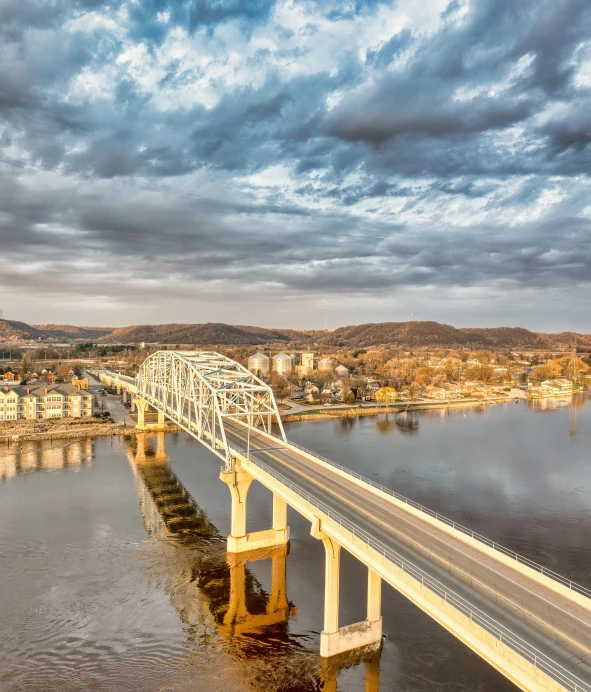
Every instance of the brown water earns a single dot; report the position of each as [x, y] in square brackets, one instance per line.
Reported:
[113, 574]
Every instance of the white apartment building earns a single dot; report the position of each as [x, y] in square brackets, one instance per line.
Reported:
[37, 401]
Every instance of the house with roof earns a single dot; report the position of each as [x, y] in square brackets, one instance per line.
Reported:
[453, 390]
[434, 392]
[8, 403]
[81, 382]
[296, 392]
[311, 391]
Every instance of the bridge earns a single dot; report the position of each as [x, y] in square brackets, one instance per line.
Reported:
[530, 623]
[215, 593]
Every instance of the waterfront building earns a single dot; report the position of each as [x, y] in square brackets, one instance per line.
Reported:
[40, 401]
[453, 390]
[557, 386]
[434, 392]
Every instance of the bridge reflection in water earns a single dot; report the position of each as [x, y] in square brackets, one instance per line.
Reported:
[215, 594]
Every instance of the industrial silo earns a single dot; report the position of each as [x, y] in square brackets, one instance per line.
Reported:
[326, 364]
[282, 364]
[259, 364]
[341, 371]
[308, 361]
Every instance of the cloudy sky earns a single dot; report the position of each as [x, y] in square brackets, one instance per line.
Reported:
[296, 163]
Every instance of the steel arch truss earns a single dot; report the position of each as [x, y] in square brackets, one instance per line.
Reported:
[199, 389]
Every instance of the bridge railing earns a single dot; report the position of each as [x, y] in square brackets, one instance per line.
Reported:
[116, 375]
[473, 534]
[535, 657]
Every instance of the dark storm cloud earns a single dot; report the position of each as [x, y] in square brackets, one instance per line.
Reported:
[409, 108]
[444, 156]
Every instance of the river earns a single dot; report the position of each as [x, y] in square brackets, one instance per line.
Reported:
[113, 574]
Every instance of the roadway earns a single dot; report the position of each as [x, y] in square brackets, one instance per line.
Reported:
[552, 623]
[110, 402]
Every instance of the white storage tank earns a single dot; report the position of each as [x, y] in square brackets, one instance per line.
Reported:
[326, 364]
[282, 364]
[341, 371]
[259, 364]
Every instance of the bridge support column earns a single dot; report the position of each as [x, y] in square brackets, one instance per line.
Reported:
[125, 396]
[141, 413]
[161, 419]
[280, 526]
[238, 481]
[367, 633]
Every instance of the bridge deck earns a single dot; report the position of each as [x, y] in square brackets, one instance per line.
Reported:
[529, 611]
[552, 623]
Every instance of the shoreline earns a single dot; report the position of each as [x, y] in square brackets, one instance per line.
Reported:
[356, 411]
[116, 429]
[111, 430]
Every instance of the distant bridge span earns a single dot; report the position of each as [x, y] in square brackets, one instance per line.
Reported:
[530, 623]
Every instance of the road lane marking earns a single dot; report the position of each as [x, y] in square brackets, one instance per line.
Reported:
[307, 464]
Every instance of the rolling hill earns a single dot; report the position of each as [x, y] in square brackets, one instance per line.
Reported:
[67, 331]
[407, 335]
[210, 333]
[12, 331]
[433, 335]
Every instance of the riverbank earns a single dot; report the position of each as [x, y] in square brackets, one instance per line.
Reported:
[356, 411]
[59, 430]
[67, 433]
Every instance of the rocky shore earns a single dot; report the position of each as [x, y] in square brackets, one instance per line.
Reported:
[72, 431]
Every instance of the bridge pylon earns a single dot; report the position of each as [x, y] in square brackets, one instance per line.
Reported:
[142, 406]
[366, 634]
[238, 481]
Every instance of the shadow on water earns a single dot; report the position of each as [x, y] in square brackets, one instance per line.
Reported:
[386, 424]
[407, 422]
[218, 599]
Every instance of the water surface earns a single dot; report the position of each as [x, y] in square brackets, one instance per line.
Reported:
[113, 573]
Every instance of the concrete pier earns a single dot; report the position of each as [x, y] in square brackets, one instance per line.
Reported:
[141, 407]
[335, 640]
[238, 481]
